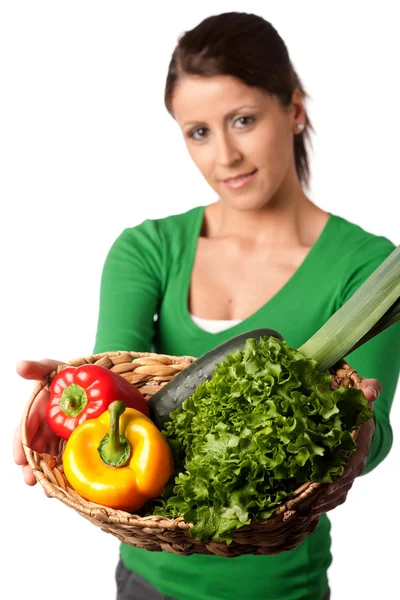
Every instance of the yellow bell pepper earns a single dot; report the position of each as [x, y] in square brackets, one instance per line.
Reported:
[120, 460]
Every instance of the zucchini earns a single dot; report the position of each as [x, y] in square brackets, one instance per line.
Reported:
[173, 394]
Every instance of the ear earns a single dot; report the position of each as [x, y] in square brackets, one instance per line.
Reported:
[298, 111]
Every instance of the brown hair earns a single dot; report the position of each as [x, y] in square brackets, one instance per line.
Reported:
[249, 48]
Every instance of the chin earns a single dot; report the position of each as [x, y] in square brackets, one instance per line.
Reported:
[247, 202]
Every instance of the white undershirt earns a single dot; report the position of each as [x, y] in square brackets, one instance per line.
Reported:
[214, 325]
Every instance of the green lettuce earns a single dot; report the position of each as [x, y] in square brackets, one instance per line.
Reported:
[265, 423]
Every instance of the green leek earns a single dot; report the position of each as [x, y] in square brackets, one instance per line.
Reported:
[372, 308]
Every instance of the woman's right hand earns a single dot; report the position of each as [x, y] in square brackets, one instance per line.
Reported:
[40, 437]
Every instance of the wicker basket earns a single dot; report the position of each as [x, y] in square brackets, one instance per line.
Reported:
[293, 521]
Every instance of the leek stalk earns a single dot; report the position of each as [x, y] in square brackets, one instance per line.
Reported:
[371, 309]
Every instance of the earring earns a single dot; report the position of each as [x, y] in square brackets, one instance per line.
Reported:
[300, 126]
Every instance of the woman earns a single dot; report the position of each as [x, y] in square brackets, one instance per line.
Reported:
[262, 255]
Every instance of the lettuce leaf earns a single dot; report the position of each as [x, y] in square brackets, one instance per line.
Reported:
[265, 423]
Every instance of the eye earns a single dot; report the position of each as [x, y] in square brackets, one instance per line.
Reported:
[244, 121]
[198, 134]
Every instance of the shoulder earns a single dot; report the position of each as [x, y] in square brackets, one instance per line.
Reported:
[355, 242]
[181, 223]
[165, 229]
[155, 244]
[358, 253]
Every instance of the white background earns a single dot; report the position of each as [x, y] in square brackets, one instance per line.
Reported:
[87, 149]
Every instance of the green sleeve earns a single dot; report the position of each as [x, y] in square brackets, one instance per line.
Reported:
[130, 290]
[380, 357]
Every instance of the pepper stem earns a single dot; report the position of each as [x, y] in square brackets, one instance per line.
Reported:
[114, 449]
[73, 400]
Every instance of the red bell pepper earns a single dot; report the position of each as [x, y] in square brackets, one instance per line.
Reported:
[81, 393]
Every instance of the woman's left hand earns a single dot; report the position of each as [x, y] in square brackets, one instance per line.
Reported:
[336, 492]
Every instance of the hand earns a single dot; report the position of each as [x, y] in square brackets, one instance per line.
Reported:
[41, 437]
[336, 493]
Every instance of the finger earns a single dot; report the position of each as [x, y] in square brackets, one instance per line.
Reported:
[330, 502]
[54, 446]
[43, 438]
[33, 426]
[364, 440]
[372, 388]
[336, 486]
[330, 505]
[355, 472]
[39, 442]
[38, 431]
[18, 451]
[29, 477]
[352, 470]
[40, 404]
[324, 498]
[36, 369]
[37, 414]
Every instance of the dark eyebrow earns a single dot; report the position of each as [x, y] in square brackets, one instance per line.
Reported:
[228, 116]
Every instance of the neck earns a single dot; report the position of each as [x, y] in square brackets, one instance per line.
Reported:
[288, 218]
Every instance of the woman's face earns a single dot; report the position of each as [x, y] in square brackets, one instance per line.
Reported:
[239, 137]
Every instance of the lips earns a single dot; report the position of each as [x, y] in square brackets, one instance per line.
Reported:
[239, 181]
[240, 176]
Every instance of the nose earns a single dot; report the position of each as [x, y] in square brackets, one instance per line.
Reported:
[227, 152]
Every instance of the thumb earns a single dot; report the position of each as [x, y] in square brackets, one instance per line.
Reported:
[37, 369]
[371, 388]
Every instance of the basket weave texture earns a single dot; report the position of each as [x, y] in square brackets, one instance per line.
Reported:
[292, 522]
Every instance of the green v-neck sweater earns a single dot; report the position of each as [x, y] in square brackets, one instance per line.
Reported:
[146, 273]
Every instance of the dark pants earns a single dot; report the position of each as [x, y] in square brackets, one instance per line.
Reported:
[132, 587]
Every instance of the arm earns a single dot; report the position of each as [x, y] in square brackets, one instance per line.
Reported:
[130, 291]
[131, 288]
[378, 362]
[380, 357]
